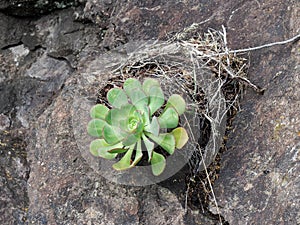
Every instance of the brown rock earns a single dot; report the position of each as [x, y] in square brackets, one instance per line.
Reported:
[259, 179]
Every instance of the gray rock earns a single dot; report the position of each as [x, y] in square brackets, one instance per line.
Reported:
[12, 30]
[259, 179]
[19, 52]
[34, 7]
[4, 122]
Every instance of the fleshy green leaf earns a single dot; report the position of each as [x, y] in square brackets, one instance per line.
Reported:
[137, 97]
[144, 111]
[138, 153]
[169, 118]
[149, 146]
[131, 83]
[133, 89]
[101, 148]
[140, 127]
[153, 127]
[181, 137]
[99, 111]
[148, 84]
[114, 116]
[166, 141]
[117, 97]
[158, 163]
[131, 139]
[118, 150]
[135, 122]
[127, 118]
[177, 102]
[95, 127]
[113, 135]
[124, 163]
[156, 99]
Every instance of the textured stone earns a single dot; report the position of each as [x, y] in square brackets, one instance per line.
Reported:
[33, 7]
[4, 122]
[259, 179]
[12, 30]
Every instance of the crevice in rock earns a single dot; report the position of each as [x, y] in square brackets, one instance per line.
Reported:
[63, 59]
[12, 45]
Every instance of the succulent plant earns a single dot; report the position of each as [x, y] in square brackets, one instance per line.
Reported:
[133, 124]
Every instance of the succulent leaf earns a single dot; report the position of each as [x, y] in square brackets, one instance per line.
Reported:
[99, 111]
[169, 118]
[148, 84]
[135, 122]
[158, 163]
[156, 99]
[95, 127]
[114, 116]
[112, 134]
[138, 153]
[131, 139]
[117, 97]
[153, 127]
[144, 111]
[131, 83]
[149, 146]
[140, 128]
[166, 141]
[100, 147]
[181, 137]
[124, 163]
[137, 97]
[118, 150]
[177, 102]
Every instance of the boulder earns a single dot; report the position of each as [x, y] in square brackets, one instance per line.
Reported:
[42, 61]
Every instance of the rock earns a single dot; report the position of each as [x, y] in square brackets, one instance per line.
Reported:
[4, 122]
[13, 29]
[19, 52]
[259, 179]
[33, 7]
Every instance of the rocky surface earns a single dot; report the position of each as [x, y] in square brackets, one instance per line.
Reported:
[259, 180]
[41, 60]
[33, 8]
